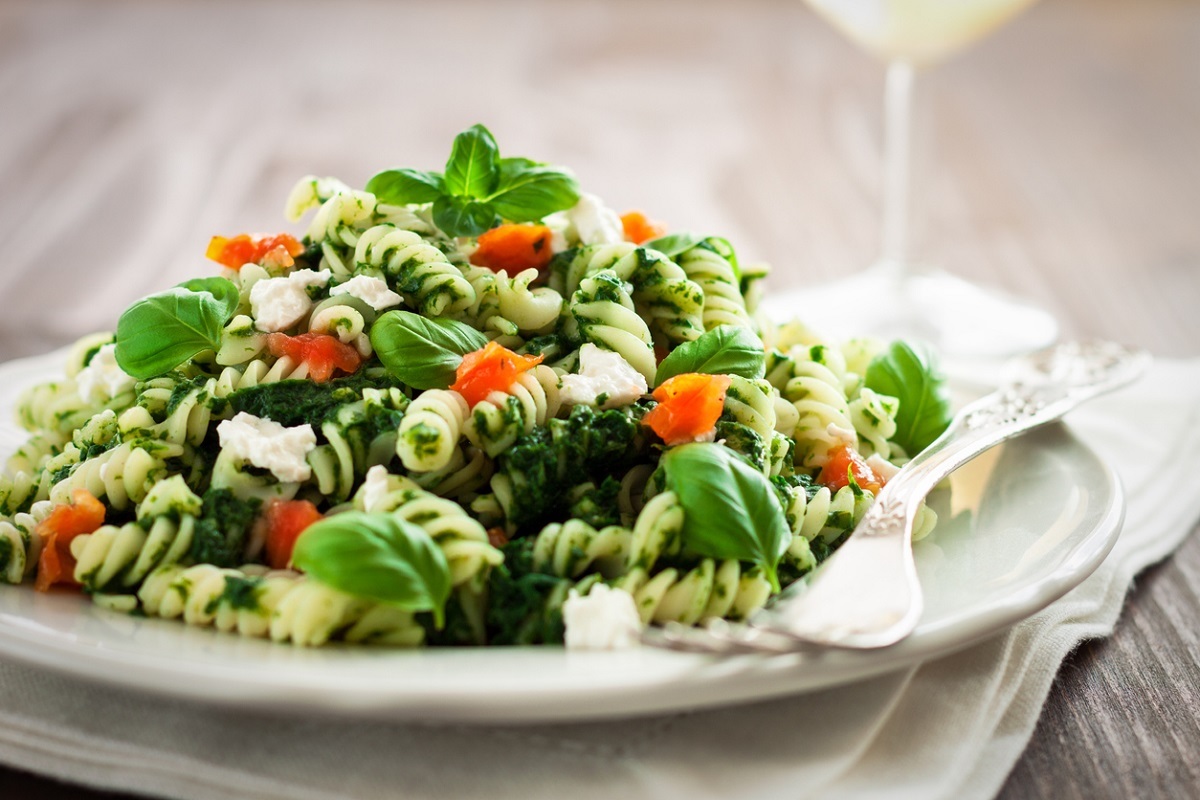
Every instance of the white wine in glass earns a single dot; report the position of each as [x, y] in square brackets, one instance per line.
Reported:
[898, 295]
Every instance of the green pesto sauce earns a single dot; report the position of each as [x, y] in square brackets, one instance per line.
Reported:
[221, 530]
[546, 462]
[240, 594]
[298, 402]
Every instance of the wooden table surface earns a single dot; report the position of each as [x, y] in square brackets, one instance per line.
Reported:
[1065, 169]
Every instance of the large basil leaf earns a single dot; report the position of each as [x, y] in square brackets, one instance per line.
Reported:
[730, 509]
[461, 216]
[528, 191]
[471, 169]
[378, 557]
[910, 374]
[725, 350]
[403, 186]
[162, 331]
[423, 352]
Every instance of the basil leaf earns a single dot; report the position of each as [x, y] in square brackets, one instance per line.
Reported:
[423, 352]
[730, 509]
[527, 191]
[403, 186]
[910, 374]
[471, 169]
[378, 557]
[674, 244]
[223, 290]
[459, 216]
[162, 331]
[725, 350]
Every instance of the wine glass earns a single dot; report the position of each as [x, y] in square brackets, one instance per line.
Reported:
[899, 295]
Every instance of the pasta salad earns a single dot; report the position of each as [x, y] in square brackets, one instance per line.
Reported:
[465, 407]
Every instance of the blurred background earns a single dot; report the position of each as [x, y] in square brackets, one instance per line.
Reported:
[1060, 151]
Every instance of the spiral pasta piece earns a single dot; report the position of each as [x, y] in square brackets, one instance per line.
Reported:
[826, 514]
[20, 544]
[751, 402]
[282, 605]
[423, 275]
[570, 548]
[710, 590]
[57, 408]
[468, 469]
[665, 298]
[431, 429]
[122, 475]
[723, 301]
[35, 452]
[874, 418]
[507, 308]
[603, 313]
[495, 423]
[122, 555]
[824, 413]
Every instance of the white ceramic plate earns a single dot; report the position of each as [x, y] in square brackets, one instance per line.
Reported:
[1021, 526]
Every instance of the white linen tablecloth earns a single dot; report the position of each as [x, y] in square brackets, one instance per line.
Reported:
[950, 728]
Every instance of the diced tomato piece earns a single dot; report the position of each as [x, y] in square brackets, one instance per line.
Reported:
[320, 351]
[514, 248]
[497, 537]
[286, 520]
[689, 406]
[278, 250]
[493, 368]
[84, 514]
[845, 461]
[639, 229]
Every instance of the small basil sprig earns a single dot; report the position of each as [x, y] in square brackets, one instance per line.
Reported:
[910, 374]
[379, 557]
[725, 350]
[479, 188]
[162, 331]
[730, 510]
[423, 352]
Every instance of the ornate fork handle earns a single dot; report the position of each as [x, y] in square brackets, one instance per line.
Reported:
[1052, 382]
[867, 594]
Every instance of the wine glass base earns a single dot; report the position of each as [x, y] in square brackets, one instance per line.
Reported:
[956, 317]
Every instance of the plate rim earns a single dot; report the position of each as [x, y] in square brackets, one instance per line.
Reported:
[736, 680]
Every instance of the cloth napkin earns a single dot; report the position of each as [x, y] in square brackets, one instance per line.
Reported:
[949, 728]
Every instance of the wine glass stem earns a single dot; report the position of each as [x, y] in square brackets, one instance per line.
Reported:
[898, 158]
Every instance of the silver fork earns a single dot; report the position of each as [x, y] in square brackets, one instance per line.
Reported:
[867, 595]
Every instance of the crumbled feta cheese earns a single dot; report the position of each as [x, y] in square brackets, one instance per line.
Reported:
[606, 619]
[558, 223]
[595, 223]
[883, 469]
[279, 303]
[375, 488]
[605, 379]
[372, 291]
[103, 379]
[268, 445]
